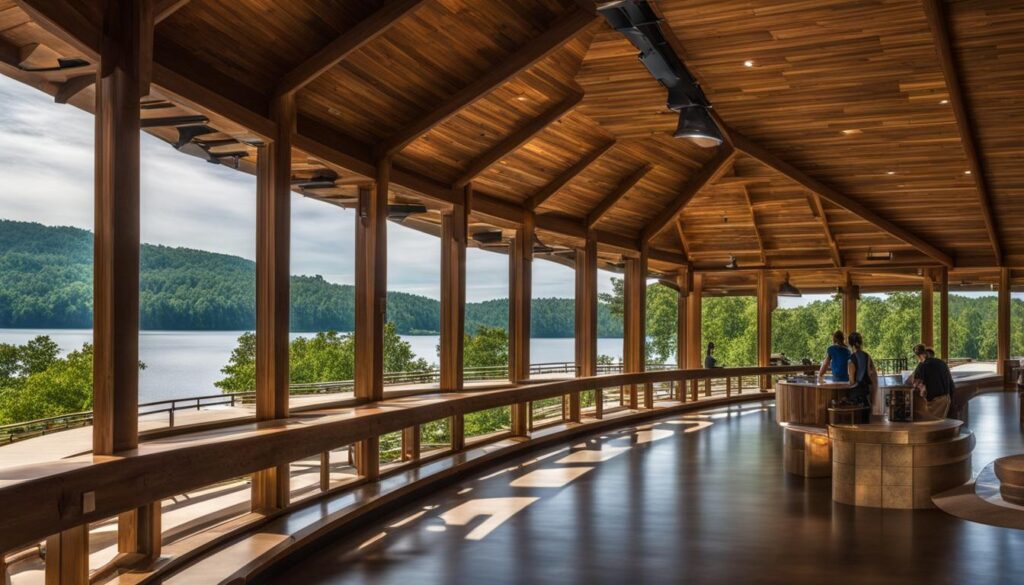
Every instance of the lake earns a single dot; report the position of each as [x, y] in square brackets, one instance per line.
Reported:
[182, 364]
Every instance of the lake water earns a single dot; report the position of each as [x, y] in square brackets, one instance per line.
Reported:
[182, 364]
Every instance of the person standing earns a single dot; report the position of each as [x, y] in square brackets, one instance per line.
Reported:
[709, 359]
[837, 357]
[863, 376]
[933, 382]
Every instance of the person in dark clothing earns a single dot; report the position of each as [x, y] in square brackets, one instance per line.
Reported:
[934, 383]
[863, 375]
[709, 360]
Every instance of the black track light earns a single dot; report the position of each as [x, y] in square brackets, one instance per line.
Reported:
[696, 124]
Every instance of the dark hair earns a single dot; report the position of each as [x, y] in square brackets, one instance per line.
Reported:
[930, 352]
[856, 339]
[711, 346]
[920, 349]
[838, 338]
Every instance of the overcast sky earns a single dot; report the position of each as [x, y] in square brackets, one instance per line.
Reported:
[46, 162]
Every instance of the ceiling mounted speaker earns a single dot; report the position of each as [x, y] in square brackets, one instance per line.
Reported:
[788, 290]
[696, 124]
[400, 211]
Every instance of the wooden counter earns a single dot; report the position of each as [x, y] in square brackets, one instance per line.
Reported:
[805, 400]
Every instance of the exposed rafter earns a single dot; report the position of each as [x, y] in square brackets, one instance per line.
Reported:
[753, 222]
[163, 9]
[708, 174]
[337, 50]
[534, 51]
[71, 87]
[936, 13]
[682, 238]
[620, 191]
[518, 139]
[819, 211]
[567, 175]
[746, 146]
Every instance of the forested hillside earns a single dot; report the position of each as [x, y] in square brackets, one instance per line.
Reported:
[46, 282]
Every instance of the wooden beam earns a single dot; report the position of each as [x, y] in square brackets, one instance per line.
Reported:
[944, 312]
[371, 285]
[351, 41]
[707, 175]
[853, 205]
[529, 55]
[116, 251]
[163, 9]
[520, 285]
[753, 222]
[850, 295]
[634, 322]
[819, 211]
[72, 87]
[453, 292]
[682, 239]
[517, 139]
[938, 22]
[619, 192]
[567, 175]
[766, 301]
[1003, 321]
[586, 317]
[684, 281]
[927, 309]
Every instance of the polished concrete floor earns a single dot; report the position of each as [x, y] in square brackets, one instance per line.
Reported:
[694, 499]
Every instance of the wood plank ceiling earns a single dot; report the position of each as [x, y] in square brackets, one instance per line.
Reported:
[545, 109]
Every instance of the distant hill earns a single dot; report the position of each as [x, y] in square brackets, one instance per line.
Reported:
[46, 282]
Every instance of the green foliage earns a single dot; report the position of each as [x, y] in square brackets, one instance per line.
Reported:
[484, 422]
[46, 282]
[487, 347]
[325, 357]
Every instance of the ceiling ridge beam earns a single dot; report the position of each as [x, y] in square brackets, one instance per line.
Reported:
[938, 22]
[351, 41]
[753, 150]
[620, 191]
[753, 223]
[819, 210]
[707, 175]
[559, 182]
[526, 57]
[518, 138]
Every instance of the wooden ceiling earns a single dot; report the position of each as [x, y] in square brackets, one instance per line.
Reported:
[853, 123]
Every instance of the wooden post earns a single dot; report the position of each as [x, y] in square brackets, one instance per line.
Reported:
[684, 280]
[766, 300]
[635, 341]
[1003, 328]
[850, 295]
[123, 79]
[694, 351]
[325, 471]
[368, 458]
[944, 313]
[586, 318]
[927, 309]
[454, 231]
[519, 280]
[411, 443]
[139, 532]
[67, 557]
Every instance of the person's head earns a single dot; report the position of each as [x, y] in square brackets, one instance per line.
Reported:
[930, 352]
[838, 338]
[856, 340]
[921, 352]
[711, 348]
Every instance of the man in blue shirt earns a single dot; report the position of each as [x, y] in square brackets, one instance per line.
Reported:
[837, 357]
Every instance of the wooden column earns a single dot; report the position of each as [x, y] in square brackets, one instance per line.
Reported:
[454, 232]
[635, 341]
[1003, 315]
[67, 557]
[123, 79]
[684, 280]
[270, 487]
[519, 281]
[694, 351]
[766, 300]
[586, 317]
[927, 309]
[850, 296]
[944, 313]
[139, 533]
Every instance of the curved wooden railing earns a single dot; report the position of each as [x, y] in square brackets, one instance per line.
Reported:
[161, 469]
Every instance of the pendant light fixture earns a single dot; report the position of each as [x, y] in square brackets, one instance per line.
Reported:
[788, 290]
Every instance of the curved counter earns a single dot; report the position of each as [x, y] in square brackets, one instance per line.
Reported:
[804, 400]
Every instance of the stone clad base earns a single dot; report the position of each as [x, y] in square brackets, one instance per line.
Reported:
[807, 451]
[898, 465]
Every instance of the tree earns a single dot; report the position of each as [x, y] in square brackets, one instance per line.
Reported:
[487, 347]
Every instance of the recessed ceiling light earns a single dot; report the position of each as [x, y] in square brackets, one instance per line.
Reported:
[944, 102]
[748, 63]
[967, 172]
[852, 131]
[890, 172]
[521, 98]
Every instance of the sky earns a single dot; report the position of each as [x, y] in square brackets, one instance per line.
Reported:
[46, 165]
